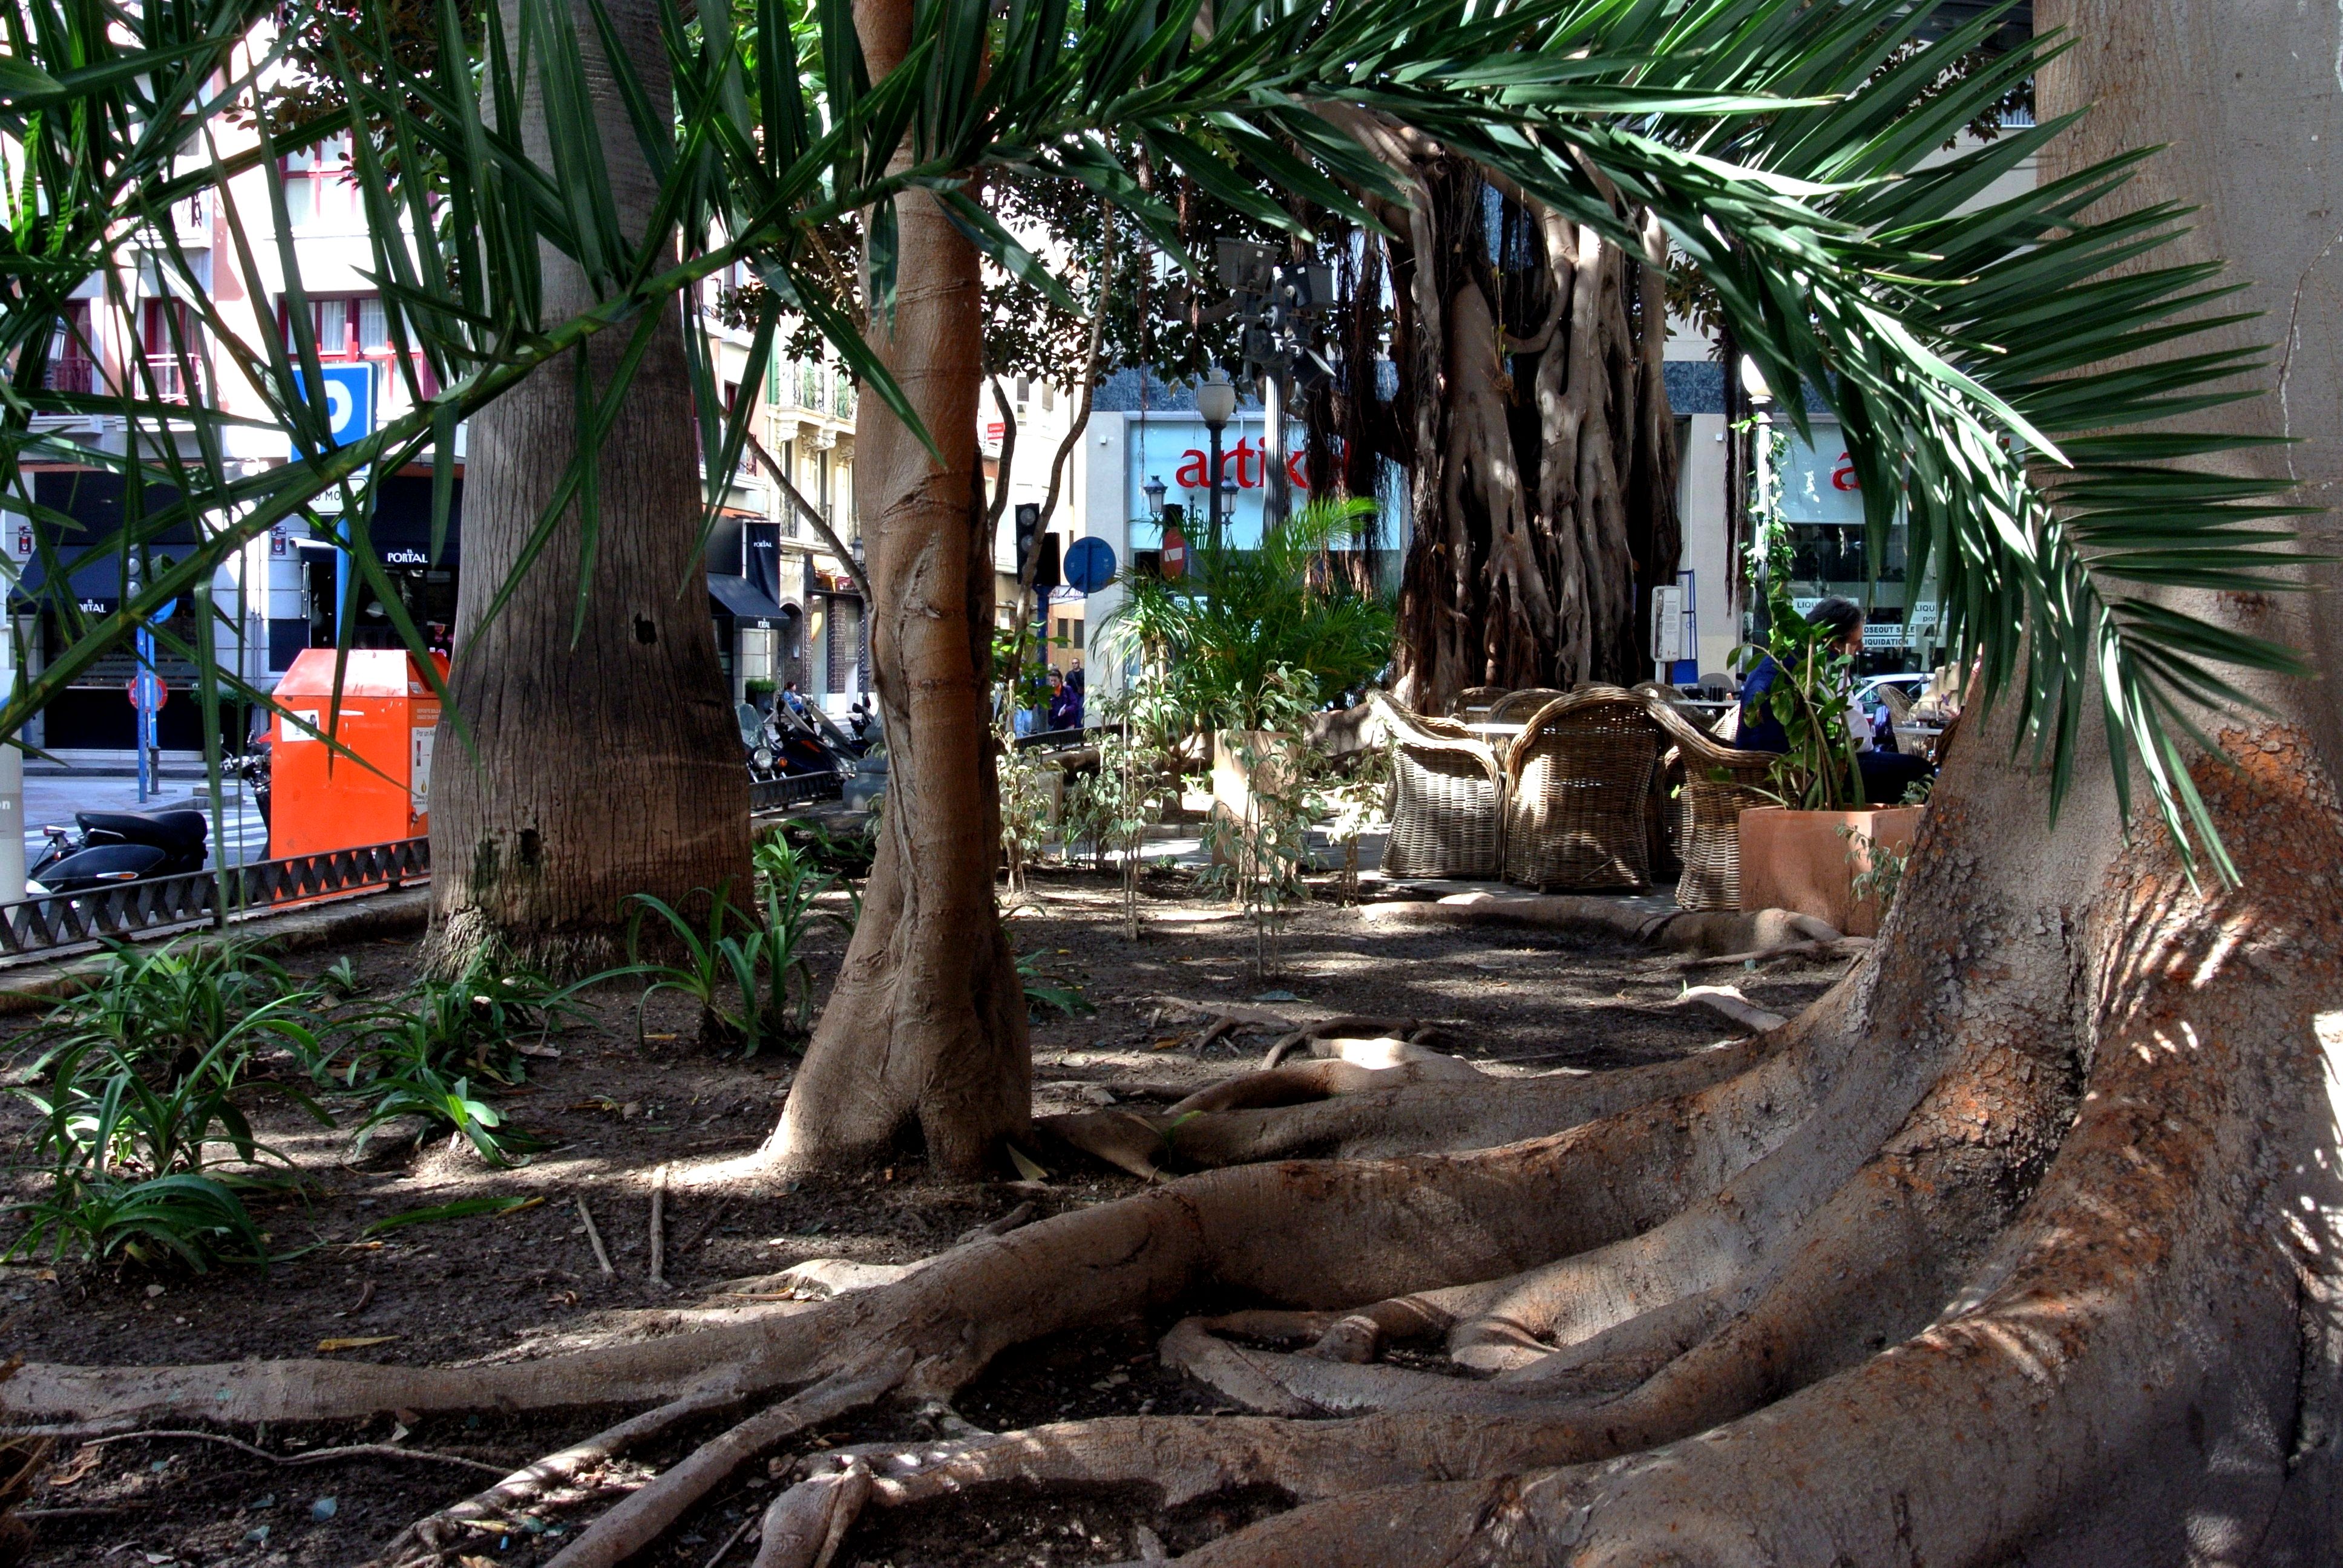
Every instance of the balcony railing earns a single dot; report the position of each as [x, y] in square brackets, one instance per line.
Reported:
[175, 380]
[72, 373]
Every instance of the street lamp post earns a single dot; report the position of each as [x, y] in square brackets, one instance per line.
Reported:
[1216, 400]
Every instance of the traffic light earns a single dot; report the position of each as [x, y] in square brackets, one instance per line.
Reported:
[1030, 539]
[1028, 523]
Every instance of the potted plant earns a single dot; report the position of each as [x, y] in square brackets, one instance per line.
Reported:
[1821, 851]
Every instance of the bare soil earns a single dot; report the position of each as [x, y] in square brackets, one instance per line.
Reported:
[527, 1281]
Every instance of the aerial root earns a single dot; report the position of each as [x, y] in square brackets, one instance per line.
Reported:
[639, 1521]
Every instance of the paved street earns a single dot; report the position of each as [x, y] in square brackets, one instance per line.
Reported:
[51, 800]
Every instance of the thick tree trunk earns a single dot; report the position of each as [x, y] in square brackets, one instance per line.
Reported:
[927, 1025]
[1543, 451]
[607, 763]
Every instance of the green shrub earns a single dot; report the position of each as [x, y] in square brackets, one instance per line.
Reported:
[1217, 634]
[192, 1220]
[747, 972]
[161, 1007]
[1044, 989]
[123, 1142]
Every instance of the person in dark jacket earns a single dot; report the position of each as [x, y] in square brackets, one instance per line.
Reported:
[1066, 701]
[1887, 773]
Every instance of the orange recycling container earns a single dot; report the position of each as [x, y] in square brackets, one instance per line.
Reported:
[321, 799]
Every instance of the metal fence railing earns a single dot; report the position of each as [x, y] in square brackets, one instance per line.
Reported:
[62, 920]
[793, 789]
[134, 909]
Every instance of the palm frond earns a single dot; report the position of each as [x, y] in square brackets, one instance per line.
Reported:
[1974, 357]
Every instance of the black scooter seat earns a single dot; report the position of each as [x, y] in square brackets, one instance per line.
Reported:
[176, 831]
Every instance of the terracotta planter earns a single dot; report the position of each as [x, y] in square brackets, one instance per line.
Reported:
[1800, 861]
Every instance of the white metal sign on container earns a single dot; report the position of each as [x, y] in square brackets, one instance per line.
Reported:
[1667, 626]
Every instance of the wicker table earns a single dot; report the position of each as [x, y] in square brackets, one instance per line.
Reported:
[1505, 731]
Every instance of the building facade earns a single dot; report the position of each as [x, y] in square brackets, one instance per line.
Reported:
[774, 594]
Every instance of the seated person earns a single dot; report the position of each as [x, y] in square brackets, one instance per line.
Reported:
[1887, 773]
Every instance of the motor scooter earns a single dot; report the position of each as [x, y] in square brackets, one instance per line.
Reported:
[118, 847]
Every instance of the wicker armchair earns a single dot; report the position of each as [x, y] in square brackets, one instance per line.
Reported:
[1517, 708]
[1720, 782]
[1578, 782]
[1448, 806]
[1474, 701]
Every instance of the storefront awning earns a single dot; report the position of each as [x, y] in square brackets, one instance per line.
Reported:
[744, 600]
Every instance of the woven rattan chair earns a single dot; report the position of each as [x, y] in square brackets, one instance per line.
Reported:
[1448, 805]
[1517, 706]
[1720, 782]
[1578, 783]
[1474, 701]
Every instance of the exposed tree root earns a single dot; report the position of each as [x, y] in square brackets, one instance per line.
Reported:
[1682, 932]
[1846, 1261]
[312, 1456]
[523, 1487]
[1446, 1116]
[639, 1521]
[1356, 1026]
[1343, 1074]
[805, 1524]
[1187, 1457]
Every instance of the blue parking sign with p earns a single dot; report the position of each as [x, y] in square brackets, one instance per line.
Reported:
[350, 400]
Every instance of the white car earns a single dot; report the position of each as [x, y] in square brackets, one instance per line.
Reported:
[1913, 684]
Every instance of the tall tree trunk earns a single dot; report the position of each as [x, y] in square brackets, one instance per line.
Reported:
[608, 762]
[1542, 454]
[927, 1024]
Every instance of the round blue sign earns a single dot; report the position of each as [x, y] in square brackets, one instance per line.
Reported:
[1089, 565]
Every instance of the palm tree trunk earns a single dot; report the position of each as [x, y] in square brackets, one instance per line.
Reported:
[604, 760]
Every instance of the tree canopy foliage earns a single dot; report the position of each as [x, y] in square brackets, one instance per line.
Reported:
[1770, 141]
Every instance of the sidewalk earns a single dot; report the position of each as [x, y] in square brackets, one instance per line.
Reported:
[52, 796]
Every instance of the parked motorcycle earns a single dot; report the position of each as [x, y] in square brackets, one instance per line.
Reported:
[787, 743]
[106, 846]
[252, 766]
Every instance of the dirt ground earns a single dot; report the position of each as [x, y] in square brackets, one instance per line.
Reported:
[527, 1282]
